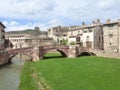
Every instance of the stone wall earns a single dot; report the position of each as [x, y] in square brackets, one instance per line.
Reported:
[111, 37]
[110, 55]
[4, 58]
[101, 53]
[72, 52]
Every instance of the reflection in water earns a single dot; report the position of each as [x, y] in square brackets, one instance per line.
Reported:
[10, 73]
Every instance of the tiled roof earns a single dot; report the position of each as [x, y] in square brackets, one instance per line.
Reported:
[2, 24]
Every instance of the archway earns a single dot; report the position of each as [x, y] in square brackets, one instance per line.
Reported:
[19, 58]
[84, 54]
[93, 54]
[54, 54]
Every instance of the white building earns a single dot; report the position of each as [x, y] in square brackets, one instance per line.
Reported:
[59, 33]
[19, 40]
[89, 36]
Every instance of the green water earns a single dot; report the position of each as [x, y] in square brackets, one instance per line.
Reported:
[10, 73]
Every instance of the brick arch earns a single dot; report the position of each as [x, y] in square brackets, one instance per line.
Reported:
[62, 52]
[84, 54]
[93, 54]
[25, 51]
[13, 55]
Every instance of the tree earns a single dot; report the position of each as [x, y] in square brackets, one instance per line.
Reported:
[37, 31]
[37, 28]
[63, 41]
[72, 43]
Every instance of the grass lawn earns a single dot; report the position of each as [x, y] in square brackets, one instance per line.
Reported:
[84, 73]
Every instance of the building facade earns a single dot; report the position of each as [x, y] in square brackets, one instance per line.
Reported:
[90, 36]
[28, 38]
[111, 35]
[59, 33]
[18, 40]
[2, 36]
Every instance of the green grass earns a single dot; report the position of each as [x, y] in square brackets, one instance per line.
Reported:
[84, 73]
[27, 82]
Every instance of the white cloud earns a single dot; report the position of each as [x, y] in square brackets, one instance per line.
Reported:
[107, 4]
[26, 9]
[46, 13]
[16, 26]
[13, 23]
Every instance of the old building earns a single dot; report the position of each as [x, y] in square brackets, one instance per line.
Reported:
[90, 36]
[2, 36]
[18, 40]
[59, 33]
[28, 38]
[111, 35]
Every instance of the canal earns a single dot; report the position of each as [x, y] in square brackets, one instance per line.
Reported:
[10, 73]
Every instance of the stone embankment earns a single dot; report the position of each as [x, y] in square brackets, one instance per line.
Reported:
[4, 57]
[102, 53]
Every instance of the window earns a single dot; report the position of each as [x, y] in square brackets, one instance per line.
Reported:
[87, 36]
[78, 32]
[71, 32]
[111, 25]
[78, 39]
[111, 35]
[99, 38]
[110, 41]
[90, 29]
[85, 31]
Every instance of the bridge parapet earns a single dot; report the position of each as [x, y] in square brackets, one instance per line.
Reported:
[72, 53]
[55, 47]
[81, 49]
[4, 57]
[37, 53]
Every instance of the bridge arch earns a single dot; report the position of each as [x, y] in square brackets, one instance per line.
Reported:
[62, 52]
[86, 54]
[93, 54]
[13, 55]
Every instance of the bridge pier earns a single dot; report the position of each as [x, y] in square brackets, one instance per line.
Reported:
[36, 54]
[4, 58]
[72, 52]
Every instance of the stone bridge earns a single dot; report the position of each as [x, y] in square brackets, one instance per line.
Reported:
[37, 53]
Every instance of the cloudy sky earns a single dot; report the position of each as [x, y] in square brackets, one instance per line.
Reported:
[23, 14]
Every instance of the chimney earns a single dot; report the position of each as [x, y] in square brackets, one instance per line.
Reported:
[108, 21]
[118, 20]
[83, 23]
[98, 20]
[69, 27]
[59, 28]
[93, 22]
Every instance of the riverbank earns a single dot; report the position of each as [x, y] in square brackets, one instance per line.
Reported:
[84, 73]
[9, 76]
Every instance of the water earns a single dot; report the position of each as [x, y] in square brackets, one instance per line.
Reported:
[10, 73]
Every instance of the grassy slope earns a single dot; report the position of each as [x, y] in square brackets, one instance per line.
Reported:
[84, 73]
[27, 82]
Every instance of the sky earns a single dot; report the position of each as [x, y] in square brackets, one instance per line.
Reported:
[27, 14]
